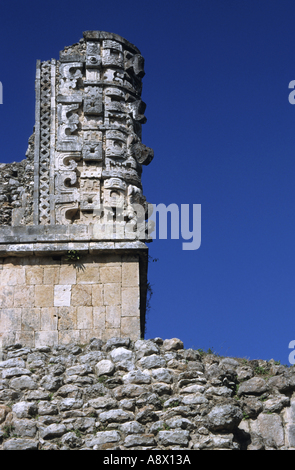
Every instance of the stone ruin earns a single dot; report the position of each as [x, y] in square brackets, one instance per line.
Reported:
[73, 215]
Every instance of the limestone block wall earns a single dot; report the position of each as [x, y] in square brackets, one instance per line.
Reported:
[45, 300]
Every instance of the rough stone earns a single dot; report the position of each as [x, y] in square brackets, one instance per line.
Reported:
[71, 440]
[4, 410]
[20, 444]
[225, 417]
[104, 367]
[121, 354]
[14, 372]
[145, 348]
[254, 386]
[132, 427]
[24, 427]
[24, 409]
[271, 429]
[23, 382]
[115, 416]
[152, 362]
[51, 383]
[135, 440]
[147, 415]
[172, 344]
[103, 437]
[168, 438]
[53, 430]
[137, 377]
[196, 410]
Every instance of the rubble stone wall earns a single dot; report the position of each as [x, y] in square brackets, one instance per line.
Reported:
[144, 394]
[17, 190]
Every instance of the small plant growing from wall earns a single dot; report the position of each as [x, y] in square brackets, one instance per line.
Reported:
[73, 256]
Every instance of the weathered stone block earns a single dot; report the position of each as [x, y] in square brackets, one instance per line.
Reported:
[51, 275]
[46, 338]
[31, 319]
[25, 337]
[152, 362]
[86, 335]
[97, 295]
[271, 428]
[110, 332]
[84, 318]
[130, 301]
[49, 318]
[225, 417]
[137, 377]
[14, 372]
[67, 318]
[121, 354]
[165, 376]
[43, 296]
[130, 326]
[68, 336]
[145, 348]
[10, 319]
[99, 317]
[254, 386]
[112, 294]
[24, 296]
[110, 274]
[88, 275]
[113, 316]
[81, 296]
[34, 275]
[115, 416]
[62, 296]
[130, 274]
[6, 296]
[7, 337]
[12, 276]
[68, 274]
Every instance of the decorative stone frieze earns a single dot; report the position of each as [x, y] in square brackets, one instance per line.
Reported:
[89, 153]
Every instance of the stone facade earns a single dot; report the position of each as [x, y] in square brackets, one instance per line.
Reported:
[47, 301]
[142, 395]
[78, 192]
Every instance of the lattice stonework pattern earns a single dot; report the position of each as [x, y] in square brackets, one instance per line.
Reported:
[44, 162]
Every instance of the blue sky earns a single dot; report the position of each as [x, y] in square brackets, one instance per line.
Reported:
[222, 129]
